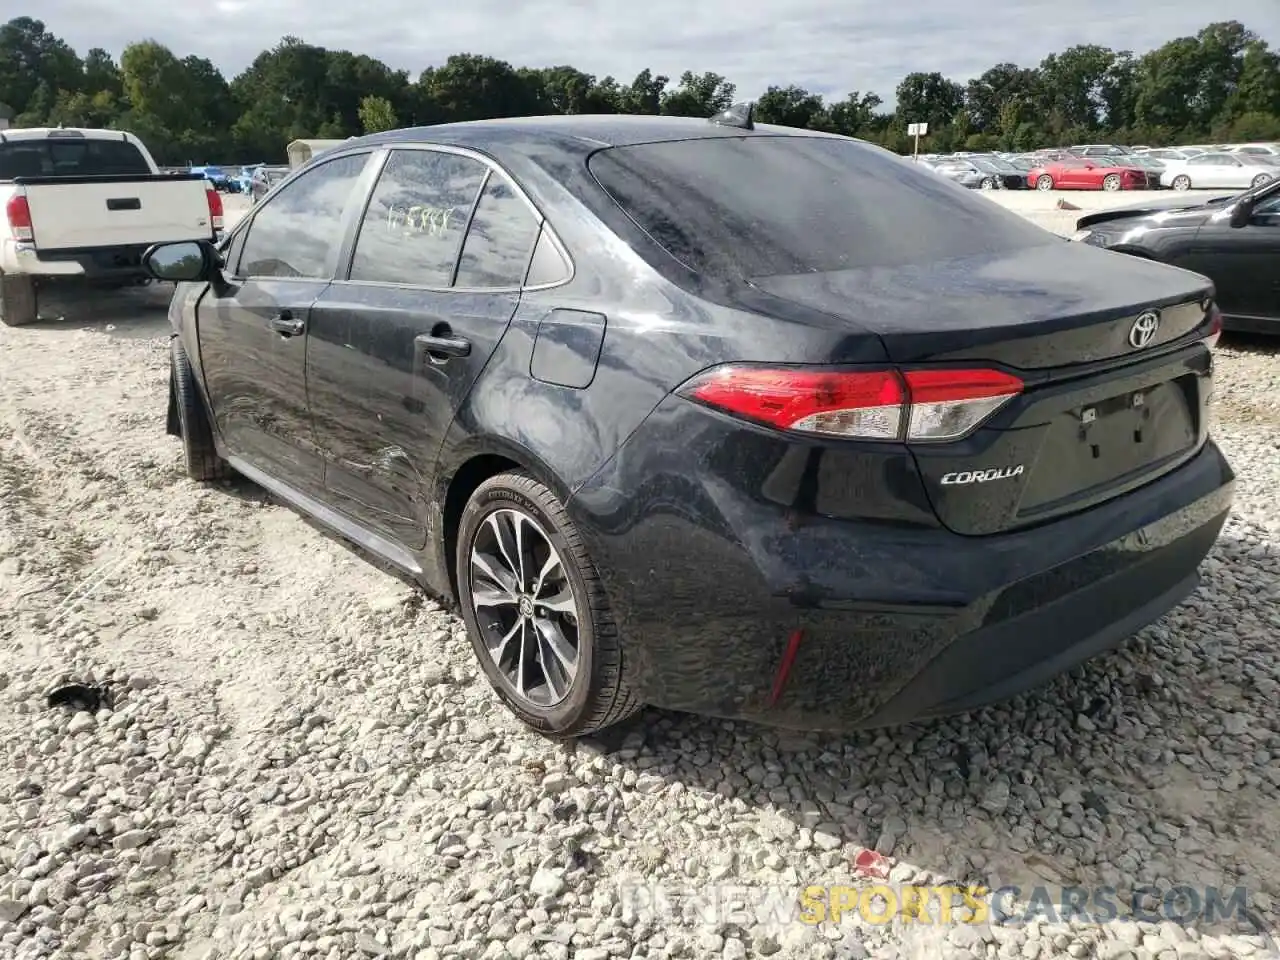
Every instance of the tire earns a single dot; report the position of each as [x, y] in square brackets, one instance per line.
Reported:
[18, 304]
[1260, 179]
[1044, 182]
[988, 184]
[1112, 182]
[596, 694]
[1182, 182]
[188, 415]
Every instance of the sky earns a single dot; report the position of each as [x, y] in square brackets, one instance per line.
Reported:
[827, 46]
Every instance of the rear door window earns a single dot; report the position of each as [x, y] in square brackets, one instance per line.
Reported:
[413, 229]
[759, 206]
[500, 239]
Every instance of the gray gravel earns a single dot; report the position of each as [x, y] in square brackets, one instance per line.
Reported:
[300, 759]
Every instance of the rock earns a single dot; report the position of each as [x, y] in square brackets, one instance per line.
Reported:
[547, 883]
[132, 839]
[995, 798]
[11, 910]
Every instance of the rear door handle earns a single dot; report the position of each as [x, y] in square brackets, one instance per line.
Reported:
[287, 325]
[442, 348]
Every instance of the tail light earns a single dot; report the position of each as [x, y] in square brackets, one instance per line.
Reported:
[919, 405]
[215, 208]
[18, 212]
[1215, 327]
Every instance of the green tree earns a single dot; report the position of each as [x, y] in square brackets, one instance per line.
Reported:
[35, 64]
[377, 114]
[473, 87]
[855, 115]
[986, 97]
[644, 93]
[1258, 89]
[1222, 82]
[792, 107]
[1072, 88]
[929, 98]
[699, 95]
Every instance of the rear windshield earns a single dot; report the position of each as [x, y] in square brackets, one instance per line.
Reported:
[762, 206]
[70, 158]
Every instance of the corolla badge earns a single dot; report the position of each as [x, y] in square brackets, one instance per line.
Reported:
[1144, 329]
[980, 476]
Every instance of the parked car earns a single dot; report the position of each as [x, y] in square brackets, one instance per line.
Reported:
[1168, 153]
[1101, 150]
[1154, 168]
[1232, 240]
[79, 207]
[1256, 149]
[1081, 174]
[1230, 171]
[218, 177]
[962, 172]
[999, 174]
[742, 420]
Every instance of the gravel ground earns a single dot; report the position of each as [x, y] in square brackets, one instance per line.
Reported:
[300, 760]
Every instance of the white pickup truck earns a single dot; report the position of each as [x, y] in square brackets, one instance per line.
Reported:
[81, 206]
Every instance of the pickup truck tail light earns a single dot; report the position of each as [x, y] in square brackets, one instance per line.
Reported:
[885, 404]
[18, 212]
[215, 208]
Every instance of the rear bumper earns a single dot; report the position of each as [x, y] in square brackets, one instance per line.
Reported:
[710, 587]
[90, 263]
[1239, 323]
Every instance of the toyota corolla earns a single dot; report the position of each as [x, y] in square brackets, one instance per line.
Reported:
[720, 417]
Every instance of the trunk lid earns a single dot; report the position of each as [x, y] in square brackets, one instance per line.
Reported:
[1098, 416]
[1038, 308]
[1155, 205]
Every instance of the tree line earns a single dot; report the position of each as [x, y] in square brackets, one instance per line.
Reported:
[1221, 84]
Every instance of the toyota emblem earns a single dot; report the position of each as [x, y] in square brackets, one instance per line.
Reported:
[1144, 329]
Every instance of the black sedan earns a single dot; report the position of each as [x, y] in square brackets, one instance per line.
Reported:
[733, 419]
[1001, 174]
[1233, 240]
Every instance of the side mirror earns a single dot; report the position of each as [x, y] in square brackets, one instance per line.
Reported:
[1241, 214]
[185, 261]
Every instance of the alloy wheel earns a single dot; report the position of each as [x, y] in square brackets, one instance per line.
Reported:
[525, 607]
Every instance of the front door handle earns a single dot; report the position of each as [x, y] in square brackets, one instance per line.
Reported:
[287, 325]
[442, 348]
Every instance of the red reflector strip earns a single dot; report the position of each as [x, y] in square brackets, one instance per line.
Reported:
[784, 666]
[1215, 327]
[957, 386]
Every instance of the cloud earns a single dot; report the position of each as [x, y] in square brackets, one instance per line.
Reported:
[830, 46]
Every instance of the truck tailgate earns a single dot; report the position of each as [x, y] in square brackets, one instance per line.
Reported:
[82, 213]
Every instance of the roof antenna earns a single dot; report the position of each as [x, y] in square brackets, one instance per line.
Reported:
[738, 115]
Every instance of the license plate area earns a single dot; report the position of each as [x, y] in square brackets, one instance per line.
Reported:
[1112, 442]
